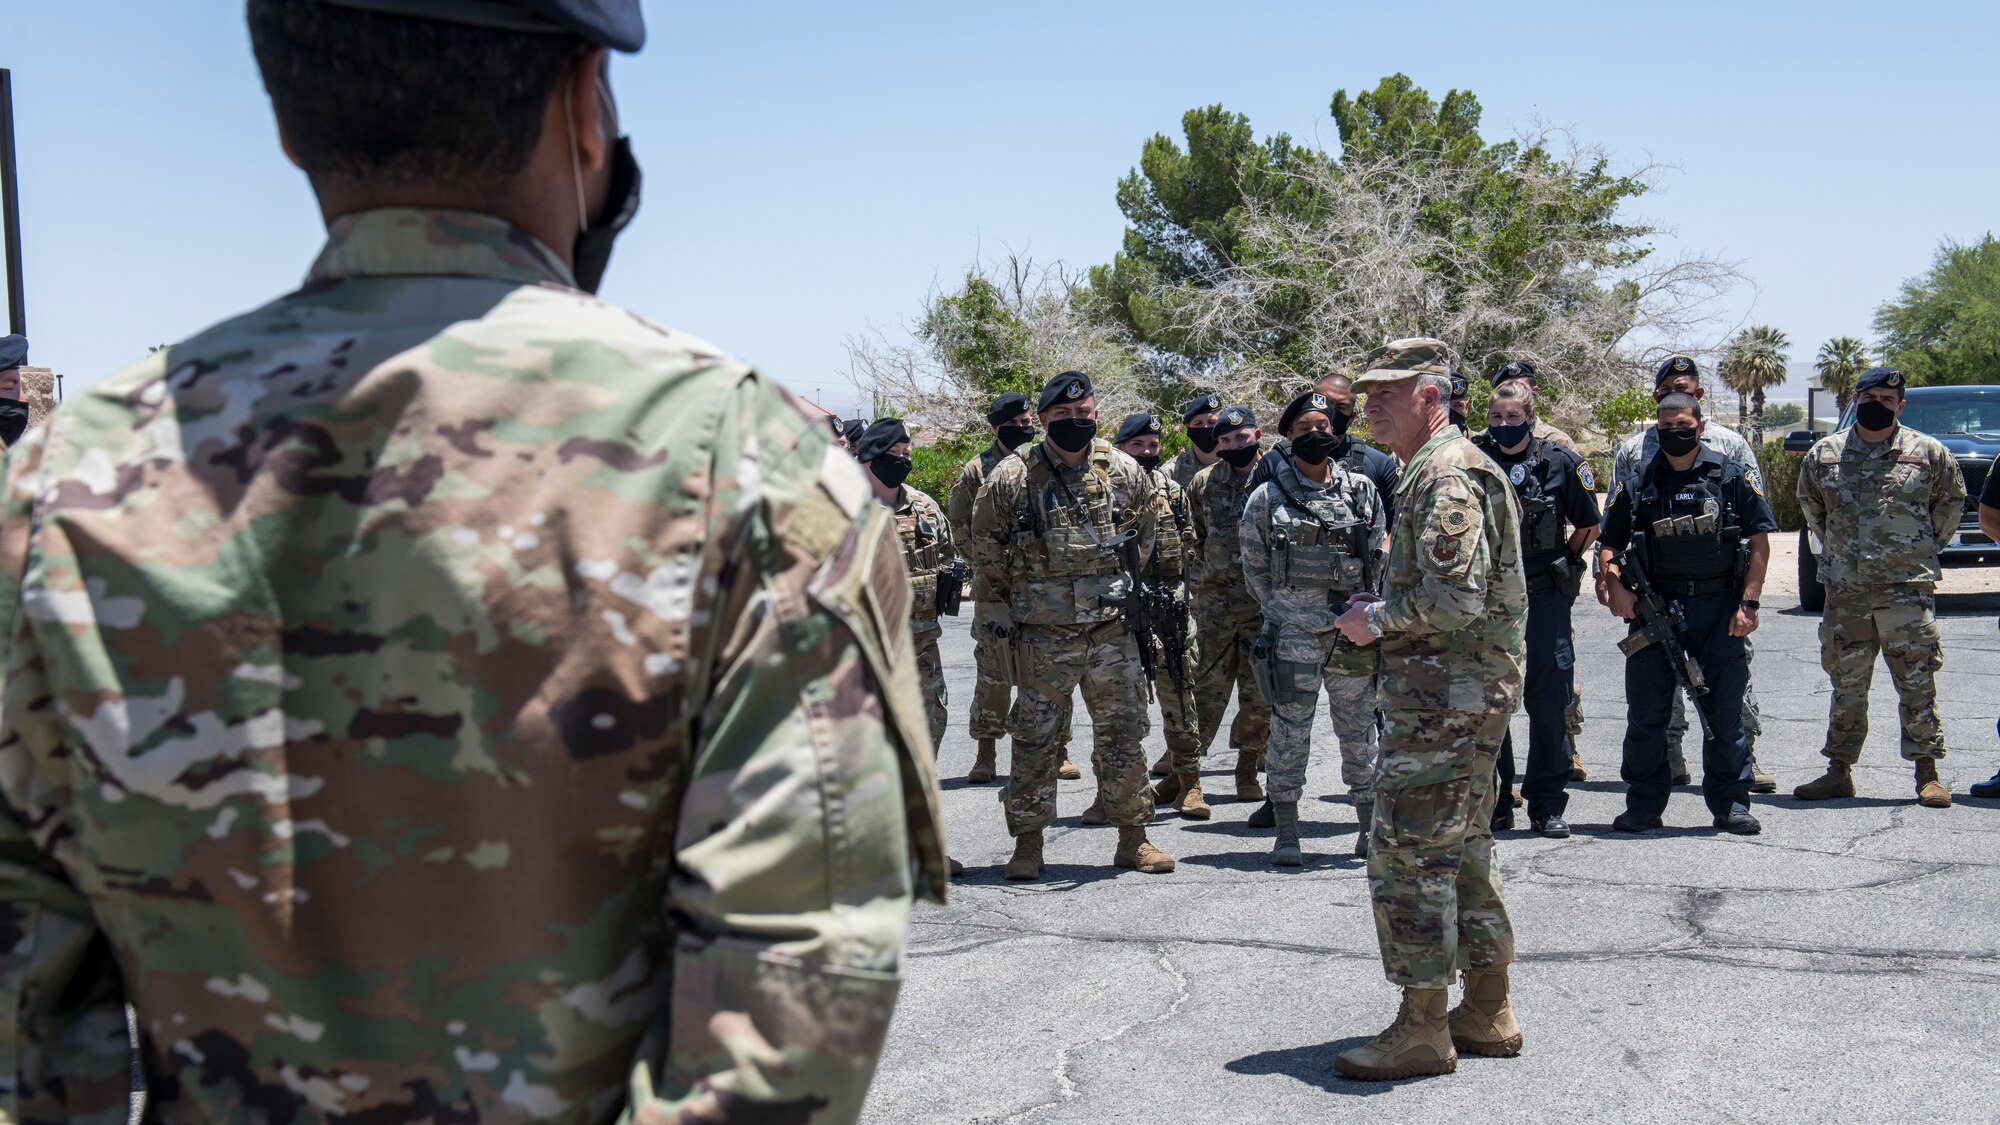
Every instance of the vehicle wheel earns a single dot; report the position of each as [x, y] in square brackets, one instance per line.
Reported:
[1812, 595]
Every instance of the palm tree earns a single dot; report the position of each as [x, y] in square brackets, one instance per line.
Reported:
[1841, 361]
[1755, 360]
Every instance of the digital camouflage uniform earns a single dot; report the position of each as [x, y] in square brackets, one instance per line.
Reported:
[1043, 536]
[1227, 618]
[1306, 547]
[1453, 624]
[1173, 545]
[442, 695]
[1882, 510]
[927, 549]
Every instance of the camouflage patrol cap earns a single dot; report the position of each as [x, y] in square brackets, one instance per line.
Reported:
[13, 351]
[617, 24]
[1310, 402]
[1675, 365]
[1200, 404]
[1874, 377]
[1402, 359]
[1234, 418]
[1518, 369]
[1137, 426]
[1070, 386]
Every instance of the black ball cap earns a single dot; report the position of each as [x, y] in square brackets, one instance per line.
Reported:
[1870, 379]
[1137, 426]
[1070, 386]
[616, 24]
[1006, 407]
[881, 435]
[13, 351]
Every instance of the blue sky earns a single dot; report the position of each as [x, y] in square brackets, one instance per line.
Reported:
[812, 170]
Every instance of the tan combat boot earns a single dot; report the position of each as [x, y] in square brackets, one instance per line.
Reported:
[1483, 1023]
[1167, 791]
[1027, 861]
[1838, 781]
[1095, 813]
[983, 764]
[1192, 804]
[1247, 788]
[1418, 1043]
[1136, 852]
[1931, 792]
[1068, 771]
[1576, 770]
[1164, 765]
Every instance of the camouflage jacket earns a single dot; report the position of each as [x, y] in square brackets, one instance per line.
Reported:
[958, 507]
[1882, 510]
[1300, 559]
[1637, 451]
[1215, 501]
[927, 549]
[1047, 535]
[1184, 468]
[442, 694]
[1455, 610]
[1173, 542]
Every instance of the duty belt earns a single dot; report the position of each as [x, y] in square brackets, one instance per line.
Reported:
[1694, 588]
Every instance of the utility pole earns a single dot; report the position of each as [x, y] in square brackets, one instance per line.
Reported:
[10, 208]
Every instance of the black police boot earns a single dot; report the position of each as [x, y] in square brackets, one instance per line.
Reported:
[1985, 790]
[1629, 821]
[1264, 817]
[1739, 822]
[1553, 827]
[1503, 814]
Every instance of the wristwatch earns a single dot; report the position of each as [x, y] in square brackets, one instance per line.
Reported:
[1368, 616]
[1749, 603]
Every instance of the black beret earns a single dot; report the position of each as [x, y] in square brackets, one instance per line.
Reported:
[1675, 365]
[851, 429]
[1200, 404]
[13, 351]
[1234, 418]
[617, 24]
[1519, 369]
[1460, 389]
[1137, 426]
[1066, 387]
[1006, 407]
[881, 435]
[1879, 377]
[1306, 403]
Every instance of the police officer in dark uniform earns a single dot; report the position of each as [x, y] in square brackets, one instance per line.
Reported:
[1354, 455]
[1701, 526]
[1554, 488]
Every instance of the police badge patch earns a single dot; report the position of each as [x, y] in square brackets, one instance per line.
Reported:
[1755, 478]
[1518, 473]
[1584, 474]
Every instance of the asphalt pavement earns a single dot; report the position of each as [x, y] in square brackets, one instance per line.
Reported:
[1843, 966]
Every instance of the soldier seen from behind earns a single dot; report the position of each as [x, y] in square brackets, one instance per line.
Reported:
[1883, 500]
[440, 693]
[1694, 529]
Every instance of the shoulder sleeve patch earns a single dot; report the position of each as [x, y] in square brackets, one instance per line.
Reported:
[1585, 477]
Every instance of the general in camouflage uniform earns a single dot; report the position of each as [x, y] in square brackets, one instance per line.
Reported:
[1176, 657]
[1227, 618]
[1310, 541]
[1057, 534]
[1012, 428]
[441, 694]
[1883, 500]
[1452, 625]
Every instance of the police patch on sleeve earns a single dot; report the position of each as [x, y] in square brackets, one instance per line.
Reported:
[1755, 478]
[1584, 475]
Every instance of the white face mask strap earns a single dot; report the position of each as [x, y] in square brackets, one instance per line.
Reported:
[576, 169]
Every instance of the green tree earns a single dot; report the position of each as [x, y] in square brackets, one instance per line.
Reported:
[1754, 360]
[1944, 327]
[1841, 360]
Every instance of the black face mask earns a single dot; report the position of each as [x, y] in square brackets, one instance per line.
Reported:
[1240, 457]
[1014, 437]
[1148, 463]
[890, 469]
[1871, 415]
[1507, 437]
[1203, 438]
[13, 419]
[1341, 422]
[1072, 435]
[592, 252]
[1314, 447]
[1678, 441]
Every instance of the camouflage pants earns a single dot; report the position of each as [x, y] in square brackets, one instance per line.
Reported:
[1055, 661]
[1430, 851]
[930, 673]
[1897, 622]
[991, 694]
[1225, 668]
[1350, 702]
[1180, 716]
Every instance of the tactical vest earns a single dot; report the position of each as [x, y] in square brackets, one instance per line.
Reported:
[1691, 533]
[1169, 547]
[1066, 527]
[1318, 541]
[1541, 509]
[924, 557]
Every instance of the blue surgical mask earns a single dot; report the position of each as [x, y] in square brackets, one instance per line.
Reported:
[1507, 437]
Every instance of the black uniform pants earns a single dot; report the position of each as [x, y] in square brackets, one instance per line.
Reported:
[1649, 688]
[1551, 673]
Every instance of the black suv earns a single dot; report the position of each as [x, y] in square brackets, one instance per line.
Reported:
[1967, 420]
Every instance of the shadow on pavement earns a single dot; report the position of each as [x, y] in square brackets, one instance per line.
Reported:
[1261, 861]
[1967, 605]
[1308, 829]
[1314, 1066]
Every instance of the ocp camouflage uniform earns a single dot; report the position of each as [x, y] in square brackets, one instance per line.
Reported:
[1546, 432]
[1227, 617]
[1306, 547]
[927, 551]
[1882, 510]
[440, 693]
[991, 694]
[1172, 547]
[1184, 467]
[1453, 624]
[1040, 530]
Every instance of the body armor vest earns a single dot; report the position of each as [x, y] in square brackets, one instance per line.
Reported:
[923, 556]
[1069, 526]
[1541, 509]
[1691, 531]
[1317, 540]
[1170, 544]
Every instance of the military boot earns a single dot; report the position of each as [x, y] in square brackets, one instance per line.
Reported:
[1985, 790]
[1192, 804]
[1576, 770]
[1138, 853]
[1247, 788]
[1163, 766]
[1286, 852]
[1931, 792]
[1417, 1043]
[1483, 1023]
[1027, 861]
[1366, 815]
[1761, 782]
[1168, 790]
[1095, 813]
[983, 763]
[1068, 771]
[1677, 764]
[1263, 816]
[1838, 781]
[957, 868]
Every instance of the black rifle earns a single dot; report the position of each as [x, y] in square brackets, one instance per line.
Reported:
[1139, 618]
[1661, 623]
